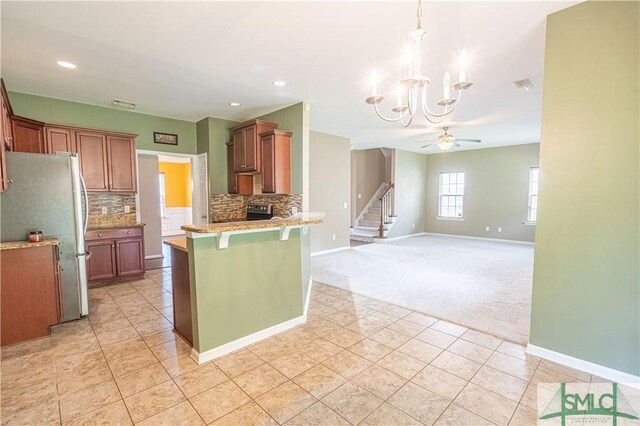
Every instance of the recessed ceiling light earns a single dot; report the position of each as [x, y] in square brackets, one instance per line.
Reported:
[65, 64]
[119, 103]
[234, 104]
[279, 83]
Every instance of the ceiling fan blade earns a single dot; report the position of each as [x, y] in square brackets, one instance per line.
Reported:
[424, 146]
[469, 140]
[456, 144]
[430, 141]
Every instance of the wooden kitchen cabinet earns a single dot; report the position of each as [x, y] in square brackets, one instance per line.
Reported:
[276, 162]
[30, 287]
[92, 153]
[247, 153]
[115, 253]
[28, 135]
[237, 183]
[58, 139]
[181, 292]
[121, 158]
[5, 135]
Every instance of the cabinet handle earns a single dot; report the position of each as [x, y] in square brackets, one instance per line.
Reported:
[87, 255]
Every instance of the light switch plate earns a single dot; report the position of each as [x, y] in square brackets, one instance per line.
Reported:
[104, 210]
[127, 209]
[499, 229]
[486, 228]
[359, 195]
[294, 210]
[346, 205]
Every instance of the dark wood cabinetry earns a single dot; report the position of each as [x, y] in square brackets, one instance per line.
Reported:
[276, 162]
[59, 139]
[92, 153]
[237, 183]
[247, 153]
[28, 135]
[181, 291]
[115, 253]
[121, 159]
[6, 135]
[30, 287]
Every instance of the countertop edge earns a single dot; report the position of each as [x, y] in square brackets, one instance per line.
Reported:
[14, 245]
[179, 243]
[215, 228]
[114, 226]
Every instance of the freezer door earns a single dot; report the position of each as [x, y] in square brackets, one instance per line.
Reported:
[80, 210]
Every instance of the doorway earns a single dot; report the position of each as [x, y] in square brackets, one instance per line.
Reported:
[173, 191]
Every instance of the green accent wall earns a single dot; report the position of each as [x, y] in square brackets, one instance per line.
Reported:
[58, 111]
[252, 285]
[212, 136]
[586, 291]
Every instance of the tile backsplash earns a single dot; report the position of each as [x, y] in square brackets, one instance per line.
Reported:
[230, 207]
[115, 205]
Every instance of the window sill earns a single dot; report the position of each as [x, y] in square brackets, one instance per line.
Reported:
[528, 223]
[454, 219]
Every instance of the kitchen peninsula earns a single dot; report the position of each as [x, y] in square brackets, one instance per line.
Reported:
[246, 281]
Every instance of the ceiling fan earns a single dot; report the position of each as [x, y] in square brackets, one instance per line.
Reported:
[445, 141]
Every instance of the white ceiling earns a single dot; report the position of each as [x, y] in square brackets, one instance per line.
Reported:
[188, 60]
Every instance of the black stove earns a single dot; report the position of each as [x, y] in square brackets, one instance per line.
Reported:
[259, 211]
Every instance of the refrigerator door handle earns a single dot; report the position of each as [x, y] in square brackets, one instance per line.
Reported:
[86, 204]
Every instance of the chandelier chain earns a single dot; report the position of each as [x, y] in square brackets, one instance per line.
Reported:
[419, 15]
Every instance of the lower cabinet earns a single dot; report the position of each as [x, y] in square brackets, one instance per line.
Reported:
[181, 294]
[114, 253]
[30, 287]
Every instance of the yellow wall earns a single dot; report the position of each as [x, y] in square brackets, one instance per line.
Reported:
[177, 178]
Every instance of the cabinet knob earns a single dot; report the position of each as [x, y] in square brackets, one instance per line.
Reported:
[128, 232]
[99, 235]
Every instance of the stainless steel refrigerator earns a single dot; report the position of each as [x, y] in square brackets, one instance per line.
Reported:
[47, 194]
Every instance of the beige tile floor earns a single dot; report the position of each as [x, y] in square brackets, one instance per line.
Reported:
[357, 360]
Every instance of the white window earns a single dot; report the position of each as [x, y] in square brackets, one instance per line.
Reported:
[451, 195]
[534, 175]
[163, 197]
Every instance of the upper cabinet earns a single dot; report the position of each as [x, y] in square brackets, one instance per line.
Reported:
[107, 161]
[6, 135]
[276, 162]
[28, 135]
[247, 152]
[59, 140]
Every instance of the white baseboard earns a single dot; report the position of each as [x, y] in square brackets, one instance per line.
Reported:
[469, 237]
[401, 237]
[318, 253]
[153, 256]
[203, 357]
[586, 366]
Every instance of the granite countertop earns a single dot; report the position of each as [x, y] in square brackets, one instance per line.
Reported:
[113, 226]
[11, 245]
[307, 218]
[179, 243]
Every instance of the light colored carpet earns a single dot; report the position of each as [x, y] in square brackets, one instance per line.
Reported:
[485, 285]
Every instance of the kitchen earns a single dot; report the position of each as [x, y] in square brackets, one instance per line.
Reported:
[107, 244]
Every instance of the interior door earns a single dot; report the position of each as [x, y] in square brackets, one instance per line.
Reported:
[200, 179]
[92, 150]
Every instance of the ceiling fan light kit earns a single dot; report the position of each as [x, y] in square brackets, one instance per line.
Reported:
[446, 141]
[411, 90]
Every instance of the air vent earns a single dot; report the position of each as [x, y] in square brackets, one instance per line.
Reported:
[118, 103]
[526, 84]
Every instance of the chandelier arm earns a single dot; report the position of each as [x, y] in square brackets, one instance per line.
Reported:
[407, 124]
[427, 111]
[390, 120]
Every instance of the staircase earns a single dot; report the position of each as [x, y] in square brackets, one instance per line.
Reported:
[376, 219]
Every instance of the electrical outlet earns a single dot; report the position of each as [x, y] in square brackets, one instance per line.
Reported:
[127, 209]
[294, 210]
[486, 228]
[346, 205]
[334, 237]
[499, 229]
[104, 210]
[359, 195]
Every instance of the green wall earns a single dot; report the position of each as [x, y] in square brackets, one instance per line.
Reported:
[586, 292]
[410, 193]
[253, 284]
[58, 111]
[212, 136]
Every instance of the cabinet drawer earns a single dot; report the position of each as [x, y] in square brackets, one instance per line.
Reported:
[100, 234]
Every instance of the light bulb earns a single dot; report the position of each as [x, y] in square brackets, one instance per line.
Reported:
[374, 82]
[464, 60]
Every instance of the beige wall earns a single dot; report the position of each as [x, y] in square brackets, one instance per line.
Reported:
[410, 193]
[369, 173]
[149, 194]
[496, 191]
[585, 283]
[330, 189]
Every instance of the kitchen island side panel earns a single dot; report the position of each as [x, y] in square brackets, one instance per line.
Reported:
[253, 284]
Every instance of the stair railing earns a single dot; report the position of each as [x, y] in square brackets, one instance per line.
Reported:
[385, 208]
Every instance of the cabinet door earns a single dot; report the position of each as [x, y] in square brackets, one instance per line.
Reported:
[122, 164]
[181, 291]
[7, 131]
[232, 182]
[28, 136]
[268, 164]
[238, 151]
[251, 160]
[130, 257]
[101, 264]
[58, 140]
[92, 151]
[4, 179]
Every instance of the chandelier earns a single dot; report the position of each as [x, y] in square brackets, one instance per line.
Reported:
[411, 91]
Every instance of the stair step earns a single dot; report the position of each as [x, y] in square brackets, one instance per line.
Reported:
[370, 216]
[369, 223]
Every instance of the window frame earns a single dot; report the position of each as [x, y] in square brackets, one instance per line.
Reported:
[532, 219]
[162, 187]
[455, 195]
